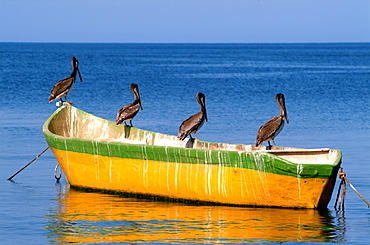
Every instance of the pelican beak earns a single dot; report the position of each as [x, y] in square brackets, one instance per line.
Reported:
[285, 112]
[202, 102]
[281, 101]
[79, 73]
[286, 117]
[135, 91]
[141, 106]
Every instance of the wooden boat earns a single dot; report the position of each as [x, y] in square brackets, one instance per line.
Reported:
[96, 154]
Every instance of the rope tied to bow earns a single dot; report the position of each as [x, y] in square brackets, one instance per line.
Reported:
[339, 202]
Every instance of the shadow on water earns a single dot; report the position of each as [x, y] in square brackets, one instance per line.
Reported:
[88, 217]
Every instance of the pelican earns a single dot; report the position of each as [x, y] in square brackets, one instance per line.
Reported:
[129, 111]
[195, 122]
[62, 88]
[272, 128]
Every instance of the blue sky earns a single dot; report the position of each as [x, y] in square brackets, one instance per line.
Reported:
[173, 21]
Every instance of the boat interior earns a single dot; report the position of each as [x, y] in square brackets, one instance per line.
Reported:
[73, 123]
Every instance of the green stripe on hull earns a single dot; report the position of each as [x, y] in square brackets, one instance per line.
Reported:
[257, 161]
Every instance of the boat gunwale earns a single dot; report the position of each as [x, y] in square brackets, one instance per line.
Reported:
[279, 149]
[267, 153]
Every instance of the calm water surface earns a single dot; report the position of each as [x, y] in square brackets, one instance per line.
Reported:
[327, 96]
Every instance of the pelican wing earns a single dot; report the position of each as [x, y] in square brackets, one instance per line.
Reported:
[61, 88]
[191, 125]
[269, 130]
[128, 112]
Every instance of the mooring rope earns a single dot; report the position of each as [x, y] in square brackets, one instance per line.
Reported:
[339, 202]
[11, 177]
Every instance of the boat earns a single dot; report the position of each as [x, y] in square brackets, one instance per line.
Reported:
[96, 154]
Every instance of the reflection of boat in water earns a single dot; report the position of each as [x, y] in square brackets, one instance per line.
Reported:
[94, 153]
[84, 217]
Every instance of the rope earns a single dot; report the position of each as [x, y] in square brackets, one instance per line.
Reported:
[11, 177]
[339, 202]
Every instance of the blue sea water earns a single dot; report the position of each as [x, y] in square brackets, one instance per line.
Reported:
[327, 91]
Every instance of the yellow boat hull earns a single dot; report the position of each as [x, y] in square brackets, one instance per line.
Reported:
[197, 182]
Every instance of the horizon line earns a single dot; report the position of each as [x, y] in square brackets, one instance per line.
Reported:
[32, 42]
